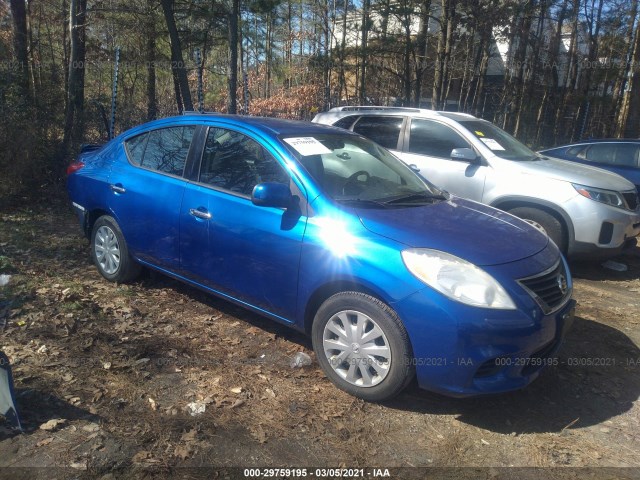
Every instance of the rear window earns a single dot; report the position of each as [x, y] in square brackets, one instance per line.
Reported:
[135, 148]
[164, 150]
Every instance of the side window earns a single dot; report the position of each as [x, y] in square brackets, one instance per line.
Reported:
[135, 148]
[232, 161]
[627, 154]
[167, 149]
[434, 139]
[600, 153]
[384, 131]
[346, 122]
[576, 151]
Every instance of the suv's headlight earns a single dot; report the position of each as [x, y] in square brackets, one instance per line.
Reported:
[456, 278]
[609, 197]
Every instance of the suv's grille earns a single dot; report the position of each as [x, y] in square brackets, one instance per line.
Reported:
[550, 289]
[632, 199]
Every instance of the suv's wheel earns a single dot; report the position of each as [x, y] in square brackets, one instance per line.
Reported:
[110, 253]
[545, 222]
[362, 346]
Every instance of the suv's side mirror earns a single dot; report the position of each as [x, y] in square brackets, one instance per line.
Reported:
[270, 194]
[464, 155]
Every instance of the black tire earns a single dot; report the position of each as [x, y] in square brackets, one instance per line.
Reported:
[125, 269]
[550, 224]
[356, 307]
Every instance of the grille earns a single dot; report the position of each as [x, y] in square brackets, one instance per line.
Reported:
[632, 199]
[549, 288]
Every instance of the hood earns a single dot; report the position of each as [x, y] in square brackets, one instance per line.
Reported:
[576, 173]
[477, 233]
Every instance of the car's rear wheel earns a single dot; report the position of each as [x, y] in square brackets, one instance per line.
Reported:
[362, 346]
[110, 253]
[545, 222]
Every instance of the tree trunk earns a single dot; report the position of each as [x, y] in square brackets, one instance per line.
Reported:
[587, 73]
[75, 96]
[526, 101]
[515, 79]
[406, 77]
[617, 94]
[362, 93]
[342, 88]
[628, 121]
[422, 49]
[232, 106]
[20, 42]
[445, 45]
[152, 103]
[183, 94]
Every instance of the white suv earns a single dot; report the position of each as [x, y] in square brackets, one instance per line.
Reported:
[584, 210]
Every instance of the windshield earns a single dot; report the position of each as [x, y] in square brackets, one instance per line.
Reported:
[498, 141]
[354, 170]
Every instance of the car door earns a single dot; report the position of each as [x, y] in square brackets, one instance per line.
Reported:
[227, 243]
[428, 150]
[147, 193]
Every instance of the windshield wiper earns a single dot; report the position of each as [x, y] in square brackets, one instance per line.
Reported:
[361, 202]
[411, 198]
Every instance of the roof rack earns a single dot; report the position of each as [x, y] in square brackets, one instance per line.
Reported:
[374, 108]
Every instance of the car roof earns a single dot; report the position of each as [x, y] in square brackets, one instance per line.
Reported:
[596, 140]
[339, 112]
[269, 126]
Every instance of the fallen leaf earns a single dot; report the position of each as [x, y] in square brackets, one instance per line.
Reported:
[44, 441]
[53, 424]
[189, 436]
[182, 451]
[236, 390]
[141, 456]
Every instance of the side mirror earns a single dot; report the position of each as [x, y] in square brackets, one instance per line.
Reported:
[270, 194]
[464, 155]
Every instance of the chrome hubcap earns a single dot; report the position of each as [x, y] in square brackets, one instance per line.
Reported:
[107, 250]
[356, 348]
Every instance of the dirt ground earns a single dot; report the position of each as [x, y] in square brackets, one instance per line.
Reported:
[105, 373]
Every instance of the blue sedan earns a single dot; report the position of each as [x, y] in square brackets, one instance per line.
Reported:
[616, 155]
[323, 230]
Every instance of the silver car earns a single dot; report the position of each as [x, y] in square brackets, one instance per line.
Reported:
[585, 210]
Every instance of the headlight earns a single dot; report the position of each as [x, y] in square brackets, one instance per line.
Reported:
[456, 278]
[603, 196]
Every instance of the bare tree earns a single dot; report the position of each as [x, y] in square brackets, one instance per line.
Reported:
[181, 83]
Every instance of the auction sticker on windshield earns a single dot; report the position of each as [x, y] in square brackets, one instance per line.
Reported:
[306, 146]
[492, 144]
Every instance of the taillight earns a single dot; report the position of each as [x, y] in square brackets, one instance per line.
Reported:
[74, 167]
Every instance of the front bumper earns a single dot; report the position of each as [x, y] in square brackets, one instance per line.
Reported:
[600, 229]
[465, 351]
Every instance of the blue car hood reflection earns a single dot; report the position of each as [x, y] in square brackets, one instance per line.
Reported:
[454, 226]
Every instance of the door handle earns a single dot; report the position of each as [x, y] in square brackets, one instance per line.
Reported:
[203, 214]
[117, 188]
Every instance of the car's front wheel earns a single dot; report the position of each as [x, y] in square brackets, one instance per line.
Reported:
[544, 222]
[110, 253]
[362, 346]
